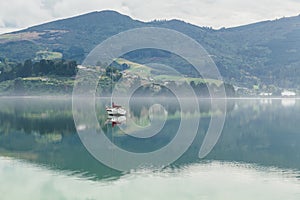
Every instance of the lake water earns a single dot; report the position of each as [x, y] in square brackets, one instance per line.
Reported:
[257, 155]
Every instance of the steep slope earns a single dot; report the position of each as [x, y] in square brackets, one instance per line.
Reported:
[268, 50]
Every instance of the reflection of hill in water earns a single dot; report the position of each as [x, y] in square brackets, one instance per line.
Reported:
[37, 115]
[42, 131]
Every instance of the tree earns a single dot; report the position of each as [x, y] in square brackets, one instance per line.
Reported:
[26, 69]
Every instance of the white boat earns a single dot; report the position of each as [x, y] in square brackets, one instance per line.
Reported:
[115, 110]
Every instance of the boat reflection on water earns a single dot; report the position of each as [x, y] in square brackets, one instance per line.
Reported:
[115, 120]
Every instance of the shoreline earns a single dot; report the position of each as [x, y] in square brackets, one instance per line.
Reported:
[108, 97]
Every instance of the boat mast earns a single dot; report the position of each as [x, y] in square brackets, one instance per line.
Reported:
[111, 79]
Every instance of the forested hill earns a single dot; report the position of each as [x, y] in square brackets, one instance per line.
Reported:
[262, 54]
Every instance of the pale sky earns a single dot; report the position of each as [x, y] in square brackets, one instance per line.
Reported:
[19, 14]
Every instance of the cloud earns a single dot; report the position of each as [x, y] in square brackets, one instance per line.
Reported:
[215, 13]
[18, 14]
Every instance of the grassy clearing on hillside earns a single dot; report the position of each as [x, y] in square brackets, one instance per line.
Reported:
[146, 71]
[48, 55]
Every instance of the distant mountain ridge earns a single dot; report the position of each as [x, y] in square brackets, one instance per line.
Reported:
[261, 54]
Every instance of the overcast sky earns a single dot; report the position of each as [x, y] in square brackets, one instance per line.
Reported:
[18, 14]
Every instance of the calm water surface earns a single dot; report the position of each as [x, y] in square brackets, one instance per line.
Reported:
[256, 157]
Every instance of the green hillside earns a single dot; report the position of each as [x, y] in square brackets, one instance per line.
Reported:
[263, 55]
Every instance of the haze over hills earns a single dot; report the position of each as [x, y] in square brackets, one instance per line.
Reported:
[261, 54]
